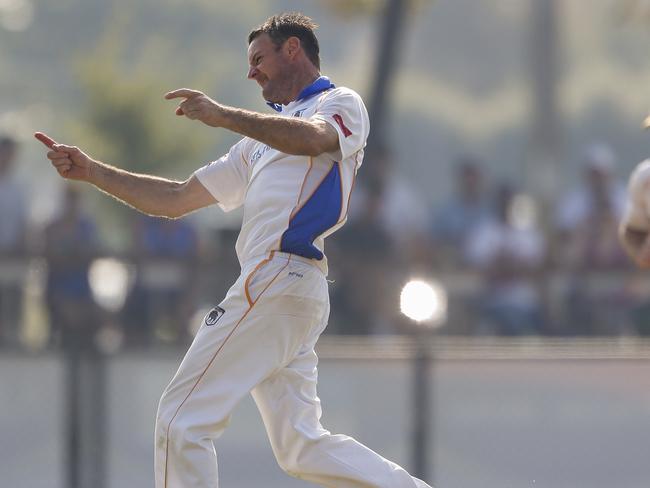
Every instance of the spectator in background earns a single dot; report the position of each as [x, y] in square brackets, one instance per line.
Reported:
[587, 217]
[13, 218]
[587, 243]
[461, 215]
[375, 250]
[70, 245]
[367, 257]
[161, 301]
[509, 251]
[398, 207]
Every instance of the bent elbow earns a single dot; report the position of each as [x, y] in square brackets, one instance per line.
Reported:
[175, 207]
[318, 139]
[168, 212]
[316, 146]
[314, 151]
[305, 148]
[174, 214]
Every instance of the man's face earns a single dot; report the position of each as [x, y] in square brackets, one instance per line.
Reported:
[269, 66]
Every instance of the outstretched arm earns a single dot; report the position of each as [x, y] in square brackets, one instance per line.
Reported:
[148, 194]
[290, 135]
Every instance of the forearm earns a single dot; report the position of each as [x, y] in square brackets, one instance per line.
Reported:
[148, 194]
[290, 135]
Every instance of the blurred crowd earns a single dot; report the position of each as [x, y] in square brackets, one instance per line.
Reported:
[511, 265]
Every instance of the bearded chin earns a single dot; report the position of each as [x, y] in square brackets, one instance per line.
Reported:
[277, 90]
[269, 95]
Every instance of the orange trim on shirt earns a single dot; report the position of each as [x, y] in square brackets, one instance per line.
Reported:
[354, 180]
[252, 273]
[341, 183]
[297, 209]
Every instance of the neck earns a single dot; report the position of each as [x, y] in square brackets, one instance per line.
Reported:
[302, 80]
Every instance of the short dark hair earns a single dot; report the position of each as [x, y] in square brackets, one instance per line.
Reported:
[292, 24]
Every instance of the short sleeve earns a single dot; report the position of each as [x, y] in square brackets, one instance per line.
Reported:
[227, 177]
[344, 110]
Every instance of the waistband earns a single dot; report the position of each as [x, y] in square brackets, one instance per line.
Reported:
[286, 257]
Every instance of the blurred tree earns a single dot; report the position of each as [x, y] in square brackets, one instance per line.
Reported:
[365, 7]
[354, 7]
[124, 115]
[632, 11]
[393, 17]
[132, 125]
[125, 121]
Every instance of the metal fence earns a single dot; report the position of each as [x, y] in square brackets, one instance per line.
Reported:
[156, 301]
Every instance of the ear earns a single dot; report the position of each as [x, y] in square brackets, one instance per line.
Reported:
[292, 47]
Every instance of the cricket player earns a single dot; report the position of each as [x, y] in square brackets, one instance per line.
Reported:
[293, 173]
[634, 229]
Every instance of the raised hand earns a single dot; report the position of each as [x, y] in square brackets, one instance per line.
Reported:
[70, 162]
[197, 106]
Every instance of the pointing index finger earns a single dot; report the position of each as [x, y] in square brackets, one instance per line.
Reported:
[182, 93]
[49, 142]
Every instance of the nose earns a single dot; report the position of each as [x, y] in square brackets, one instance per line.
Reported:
[252, 72]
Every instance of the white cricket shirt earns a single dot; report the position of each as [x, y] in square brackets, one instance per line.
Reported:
[637, 211]
[291, 203]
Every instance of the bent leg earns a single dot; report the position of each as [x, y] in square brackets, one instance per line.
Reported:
[244, 342]
[291, 412]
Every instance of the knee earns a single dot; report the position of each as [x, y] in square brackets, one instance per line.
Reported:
[181, 431]
[290, 464]
[178, 428]
[294, 457]
[168, 431]
[176, 433]
[164, 415]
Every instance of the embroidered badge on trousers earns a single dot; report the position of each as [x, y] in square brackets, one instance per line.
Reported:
[214, 315]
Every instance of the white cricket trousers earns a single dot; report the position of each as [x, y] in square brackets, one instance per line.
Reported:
[261, 340]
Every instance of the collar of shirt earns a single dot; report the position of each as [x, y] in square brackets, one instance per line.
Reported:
[321, 84]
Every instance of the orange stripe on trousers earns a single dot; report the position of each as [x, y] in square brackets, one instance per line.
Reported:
[251, 305]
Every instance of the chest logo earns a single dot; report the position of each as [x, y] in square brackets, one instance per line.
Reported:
[259, 153]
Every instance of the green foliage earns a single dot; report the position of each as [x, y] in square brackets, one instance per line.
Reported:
[124, 118]
[346, 8]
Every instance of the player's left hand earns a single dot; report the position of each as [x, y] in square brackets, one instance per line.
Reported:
[197, 106]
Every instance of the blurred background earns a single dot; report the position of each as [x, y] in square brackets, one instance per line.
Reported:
[503, 132]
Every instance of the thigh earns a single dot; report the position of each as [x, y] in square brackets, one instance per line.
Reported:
[288, 401]
[253, 333]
